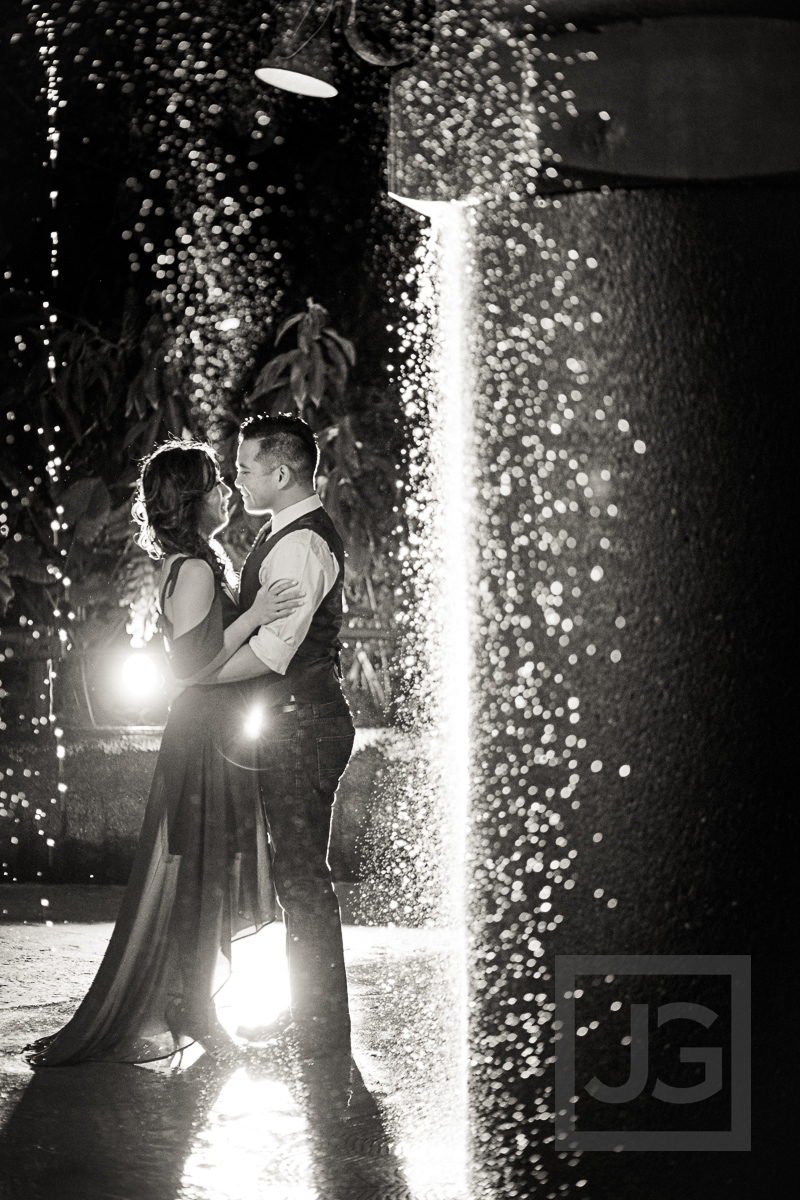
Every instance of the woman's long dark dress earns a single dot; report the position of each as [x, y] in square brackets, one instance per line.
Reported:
[200, 876]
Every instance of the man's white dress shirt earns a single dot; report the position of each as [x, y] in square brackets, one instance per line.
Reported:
[305, 556]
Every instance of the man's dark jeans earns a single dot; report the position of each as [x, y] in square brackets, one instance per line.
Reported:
[301, 757]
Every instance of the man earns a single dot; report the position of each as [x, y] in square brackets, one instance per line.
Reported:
[306, 731]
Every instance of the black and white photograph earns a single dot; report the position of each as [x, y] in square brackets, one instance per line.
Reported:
[398, 727]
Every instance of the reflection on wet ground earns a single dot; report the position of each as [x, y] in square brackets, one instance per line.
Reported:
[386, 1123]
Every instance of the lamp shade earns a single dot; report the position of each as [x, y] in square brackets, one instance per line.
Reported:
[308, 71]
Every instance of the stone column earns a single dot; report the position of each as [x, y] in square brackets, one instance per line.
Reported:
[633, 401]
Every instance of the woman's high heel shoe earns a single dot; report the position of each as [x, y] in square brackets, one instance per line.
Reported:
[208, 1031]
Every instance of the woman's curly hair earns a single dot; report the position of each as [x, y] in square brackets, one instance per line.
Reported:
[173, 483]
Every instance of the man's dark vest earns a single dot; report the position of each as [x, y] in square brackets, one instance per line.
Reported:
[313, 674]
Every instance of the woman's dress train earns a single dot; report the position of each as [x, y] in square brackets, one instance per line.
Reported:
[201, 876]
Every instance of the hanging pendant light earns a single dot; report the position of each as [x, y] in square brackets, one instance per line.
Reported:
[302, 60]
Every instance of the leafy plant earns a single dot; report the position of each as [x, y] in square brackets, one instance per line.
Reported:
[316, 370]
[102, 403]
[157, 396]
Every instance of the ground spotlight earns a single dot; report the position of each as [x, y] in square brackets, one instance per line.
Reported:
[302, 59]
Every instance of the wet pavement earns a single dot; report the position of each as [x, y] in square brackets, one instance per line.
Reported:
[389, 1123]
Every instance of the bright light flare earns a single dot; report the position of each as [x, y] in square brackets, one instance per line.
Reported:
[139, 676]
[446, 293]
[449, 226]
[254, 722]
[258, 988]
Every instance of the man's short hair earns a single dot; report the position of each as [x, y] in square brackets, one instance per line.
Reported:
[284, 437]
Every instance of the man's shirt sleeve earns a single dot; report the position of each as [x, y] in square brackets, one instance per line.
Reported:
[306, 557]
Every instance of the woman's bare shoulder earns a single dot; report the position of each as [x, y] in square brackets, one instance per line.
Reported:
[191, 568]
[193, 581]
[192, 596]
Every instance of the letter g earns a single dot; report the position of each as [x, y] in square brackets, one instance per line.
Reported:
[710, 1055]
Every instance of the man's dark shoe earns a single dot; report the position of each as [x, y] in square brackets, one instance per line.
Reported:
[318, 1040]
[313, 1050]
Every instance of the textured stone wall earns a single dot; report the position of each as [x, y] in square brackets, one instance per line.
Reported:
[635, 407]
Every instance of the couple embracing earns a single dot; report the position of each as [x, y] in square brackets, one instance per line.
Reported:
[253, 749]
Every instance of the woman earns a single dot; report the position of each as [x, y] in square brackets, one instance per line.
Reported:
[202, 869]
